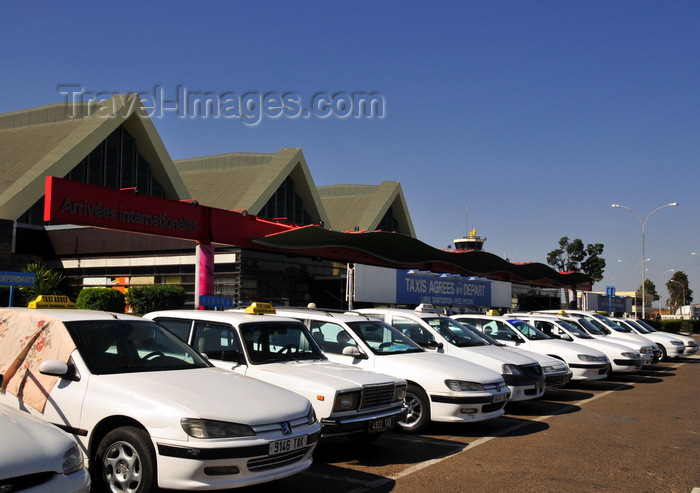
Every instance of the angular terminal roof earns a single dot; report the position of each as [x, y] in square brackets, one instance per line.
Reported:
[52, 140]
[362, 207]
[246, 181]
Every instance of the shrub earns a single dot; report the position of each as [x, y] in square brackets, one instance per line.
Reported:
[106, 299]
[144, 299]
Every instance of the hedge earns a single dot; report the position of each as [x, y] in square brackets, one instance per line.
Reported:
[675, 326]
[105, 299]
[145, 299]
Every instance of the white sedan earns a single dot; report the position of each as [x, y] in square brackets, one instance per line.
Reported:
[148, 410]
[38, 457]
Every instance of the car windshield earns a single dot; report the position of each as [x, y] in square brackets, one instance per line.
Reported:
[589, 327]
[642, 323]
[382, 338]
[528, 330]
[620, 327]
[454, 332]
[500, 330]
[274, 342]
[488, 340]
[127, 346]
[637, 327]
[574, 329]
[601, 328]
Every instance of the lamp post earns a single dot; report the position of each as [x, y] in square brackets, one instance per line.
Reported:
[644, 225]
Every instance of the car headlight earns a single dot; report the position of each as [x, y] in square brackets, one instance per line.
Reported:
[208, 428]
[311, 416]
[677, 343]
[632, 355]
[588, 357]
[346, 401]
[399, 393]
[555, 369]
[72, 460]
[462, 386]
[509, 369]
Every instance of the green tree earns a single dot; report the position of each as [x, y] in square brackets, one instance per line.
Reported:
[573, 256]
[48, 281]
[679, 291]
[650, 294]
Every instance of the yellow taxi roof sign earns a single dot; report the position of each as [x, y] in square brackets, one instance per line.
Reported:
[51, 301]
[260, 308]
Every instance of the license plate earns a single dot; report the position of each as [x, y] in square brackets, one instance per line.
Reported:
[287, 445]
[381, 424]
[501, 397]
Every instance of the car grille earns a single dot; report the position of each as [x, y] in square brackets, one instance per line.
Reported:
[377, 395]
[496, 387]
[532, 370]
[275, 461]
[489, 408]
[30, 481]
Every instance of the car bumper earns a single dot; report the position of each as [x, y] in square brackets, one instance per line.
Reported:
[195, 468]
[78, 482]
[455, 408]
[367, 423]
[555, 381]
[627, 365]
[597, 371]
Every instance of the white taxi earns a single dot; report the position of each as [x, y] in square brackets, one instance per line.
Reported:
[148, 410]
[349, 401]
[435, 332]
[585, 363]
[440, 387]
[36, 456]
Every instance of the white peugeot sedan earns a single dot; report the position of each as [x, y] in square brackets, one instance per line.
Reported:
[691, 345]
[585, 363]
[146, 408]
[349, 401]
[609, 330]
[671, 346]
[435, 332]
[440, 387]
[623, 359]
[37, 457]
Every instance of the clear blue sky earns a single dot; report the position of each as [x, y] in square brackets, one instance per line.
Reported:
[535, 115]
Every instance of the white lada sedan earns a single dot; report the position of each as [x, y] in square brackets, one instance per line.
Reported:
[148, 410]
[349, 401]
[585, 363]
[440, 387]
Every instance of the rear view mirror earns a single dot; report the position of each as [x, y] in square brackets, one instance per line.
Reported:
[354, 352]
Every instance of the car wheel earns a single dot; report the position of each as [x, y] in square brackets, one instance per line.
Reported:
[125, 462]
[664, 354]
[418, 405]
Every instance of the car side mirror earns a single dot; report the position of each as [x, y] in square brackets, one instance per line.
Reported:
[433, 344]
[58, 368]
[354, 351]
[563, 335]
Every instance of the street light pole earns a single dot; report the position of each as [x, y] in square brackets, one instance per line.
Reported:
[644, 225]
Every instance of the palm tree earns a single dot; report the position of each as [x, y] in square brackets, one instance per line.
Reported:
[47, 281]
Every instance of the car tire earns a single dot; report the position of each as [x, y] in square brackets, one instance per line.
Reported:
[664, 353]
[418, 405]
[125, 461]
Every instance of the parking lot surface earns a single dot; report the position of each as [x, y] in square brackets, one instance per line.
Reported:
[631, 433]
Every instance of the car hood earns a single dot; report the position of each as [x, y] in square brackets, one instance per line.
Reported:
[29, 445]
[493, 357]
[542, 359]
[211, 393]
[554, 346]
[605, 345]
[416, 366]
[306, 374]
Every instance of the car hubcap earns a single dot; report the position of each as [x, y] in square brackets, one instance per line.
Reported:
[122, 467]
